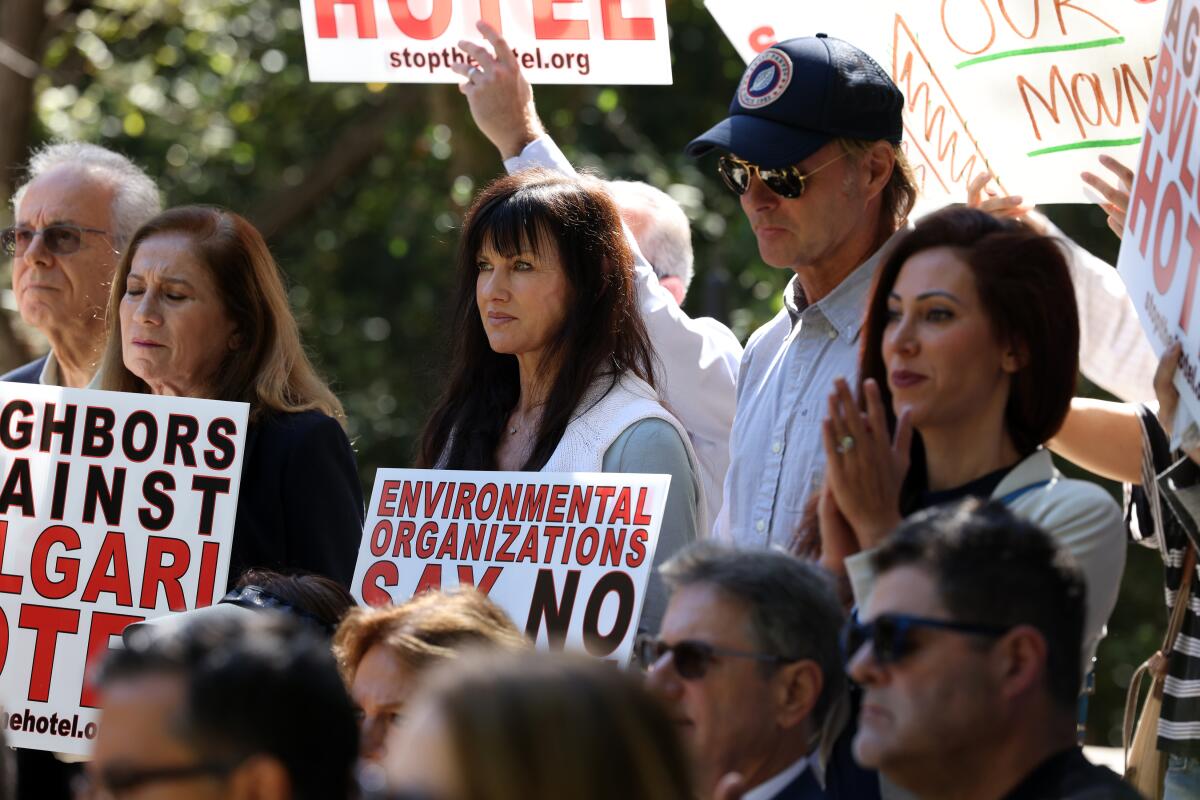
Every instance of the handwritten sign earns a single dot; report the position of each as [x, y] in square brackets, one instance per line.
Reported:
[1160, 251]
[1034, 90]
[568, 556]
[114, 508]
[555, 41]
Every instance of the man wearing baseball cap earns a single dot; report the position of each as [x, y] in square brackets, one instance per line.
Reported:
[811, 145]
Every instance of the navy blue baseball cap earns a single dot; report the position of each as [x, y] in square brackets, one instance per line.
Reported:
[799, 94]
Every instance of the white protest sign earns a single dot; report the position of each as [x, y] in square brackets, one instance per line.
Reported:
[1160, 251]
[114, 508]
[567, 556]
[555, 41]
[1034, 90]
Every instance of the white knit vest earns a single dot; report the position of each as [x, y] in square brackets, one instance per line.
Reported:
[604, 414]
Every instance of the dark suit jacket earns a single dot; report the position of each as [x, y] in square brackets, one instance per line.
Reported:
[27, 373]
[805, 787]
[300, 506]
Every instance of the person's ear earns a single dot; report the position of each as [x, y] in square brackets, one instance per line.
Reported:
[1015, 358]
[877, 165]
[260, 777]
[235, 341]
[797, 688]
[1019, 664]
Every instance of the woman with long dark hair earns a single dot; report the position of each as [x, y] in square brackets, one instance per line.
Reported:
[968, 366]
[551, 366]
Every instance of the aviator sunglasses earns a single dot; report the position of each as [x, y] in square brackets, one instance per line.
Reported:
[784, 181]
[61, 238]
[691, 658]
[889, 634]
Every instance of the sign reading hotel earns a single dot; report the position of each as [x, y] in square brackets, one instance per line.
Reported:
[555, 41]
[567, 556]
[1160, 251]
[114, 508]
[1033, 90]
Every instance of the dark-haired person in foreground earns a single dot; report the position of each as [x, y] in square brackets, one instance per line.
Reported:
[224, 709]
[968, 652]
[748, 661]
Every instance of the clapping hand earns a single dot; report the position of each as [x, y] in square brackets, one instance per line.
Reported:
[866, 465]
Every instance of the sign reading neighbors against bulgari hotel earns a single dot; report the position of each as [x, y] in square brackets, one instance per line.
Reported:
[554, 41]
[1033, 90]
[1160, 251]
[567, 556]
[114, 508]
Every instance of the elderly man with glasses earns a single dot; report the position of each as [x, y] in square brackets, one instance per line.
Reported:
[968, 652]
[72, 218]
[749, 664]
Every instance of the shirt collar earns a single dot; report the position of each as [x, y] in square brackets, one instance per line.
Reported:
[773, 786]
[846, 306]
[50, 375]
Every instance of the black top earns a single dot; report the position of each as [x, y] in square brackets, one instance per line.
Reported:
[300, 506]
[980, 487]
[1070, 776]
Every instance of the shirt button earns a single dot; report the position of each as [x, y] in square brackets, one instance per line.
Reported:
[776, 447]
[760, 526]
[833, 334]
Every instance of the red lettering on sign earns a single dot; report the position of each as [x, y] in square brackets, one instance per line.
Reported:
[103, 627]
[49, 623]
[168, 575]
[364, 17]
[547, 26]
[384, 572]
[618, 26]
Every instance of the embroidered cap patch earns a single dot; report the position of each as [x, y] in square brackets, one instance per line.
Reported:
[766, 79]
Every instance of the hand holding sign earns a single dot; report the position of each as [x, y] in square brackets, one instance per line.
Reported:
[499, 95]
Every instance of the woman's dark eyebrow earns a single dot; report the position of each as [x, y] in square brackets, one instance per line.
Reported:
[932, 293]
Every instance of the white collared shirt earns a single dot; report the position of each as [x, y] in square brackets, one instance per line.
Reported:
[50, 374]
[773, 786]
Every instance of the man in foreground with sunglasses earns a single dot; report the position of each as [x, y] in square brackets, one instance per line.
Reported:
[812, 147]
[968, 651]
[80, 205]
[749, 664]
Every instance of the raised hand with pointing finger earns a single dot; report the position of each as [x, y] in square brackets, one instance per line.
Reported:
[499, 95]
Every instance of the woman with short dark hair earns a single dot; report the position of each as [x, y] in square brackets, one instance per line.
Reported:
[968, 366]
[551, 366]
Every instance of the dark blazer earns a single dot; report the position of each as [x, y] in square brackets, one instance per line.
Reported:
[300, 506]
[805, 787]
[27, 373]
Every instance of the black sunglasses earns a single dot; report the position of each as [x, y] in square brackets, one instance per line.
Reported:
[61, 238]
[888, 634]
[784, 181]
[691, 658]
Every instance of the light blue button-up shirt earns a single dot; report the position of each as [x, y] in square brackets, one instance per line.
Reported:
[776, 456]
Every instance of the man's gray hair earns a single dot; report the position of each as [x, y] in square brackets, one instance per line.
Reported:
[667, 241]
[792, 605]
[135, 196]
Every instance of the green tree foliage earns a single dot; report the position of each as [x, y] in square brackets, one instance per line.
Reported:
[361, 190]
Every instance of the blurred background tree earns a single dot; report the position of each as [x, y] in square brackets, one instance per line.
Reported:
[360, 190]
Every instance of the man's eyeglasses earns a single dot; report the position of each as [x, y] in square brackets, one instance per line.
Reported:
[784, 181]
[692, 659]
[61, 238]
[889, 634]
[116, 783]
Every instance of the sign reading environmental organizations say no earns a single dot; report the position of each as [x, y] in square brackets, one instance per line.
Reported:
[567, 556]
[554, 41]
[114, 508]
